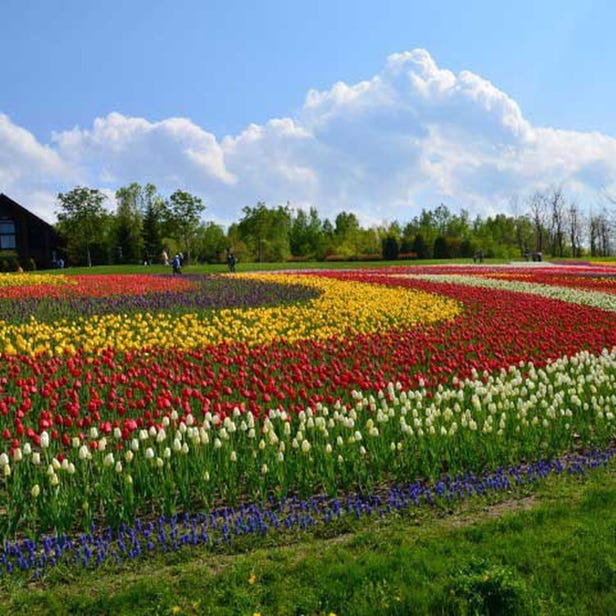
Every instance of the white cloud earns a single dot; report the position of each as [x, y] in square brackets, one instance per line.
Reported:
[29, 171]
[171, 151]
[409, 137]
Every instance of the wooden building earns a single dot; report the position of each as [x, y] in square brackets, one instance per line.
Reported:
[25, 239]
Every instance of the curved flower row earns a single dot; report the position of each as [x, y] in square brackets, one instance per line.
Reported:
[204, 293]
[58, 286]
[68, 394]
[604, 282]
[342, 309]
[380, 378]
[25, 280]
[522, 413]
[605, 299]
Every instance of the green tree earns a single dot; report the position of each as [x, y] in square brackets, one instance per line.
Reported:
[209, 242]
[127, 224]
[182, 217]
[154, 211]
[391, 248]
[441, 248]
[419, 247]
[306, 236]
[83, 222]
[347, 234]
[265, 232]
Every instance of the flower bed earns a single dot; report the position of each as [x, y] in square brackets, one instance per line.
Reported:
[327, 383]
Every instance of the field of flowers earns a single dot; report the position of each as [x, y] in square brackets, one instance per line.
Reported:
[144, 412]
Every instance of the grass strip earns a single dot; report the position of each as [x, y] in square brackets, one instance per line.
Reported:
[549, 550]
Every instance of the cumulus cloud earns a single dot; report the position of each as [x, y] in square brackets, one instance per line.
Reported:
[171, 151]
[412, 136]
[30, 171]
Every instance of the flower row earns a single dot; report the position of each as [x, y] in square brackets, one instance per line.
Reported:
[341, 309]
[571, 292]
[520, 413]
[205, 293]
[101, 545]
[58, 286]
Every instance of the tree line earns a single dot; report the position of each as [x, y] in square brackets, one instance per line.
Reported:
[144, 225]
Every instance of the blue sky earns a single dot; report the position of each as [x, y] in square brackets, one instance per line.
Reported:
[213, 97]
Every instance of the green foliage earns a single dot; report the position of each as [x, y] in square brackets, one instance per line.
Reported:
[209, 243]
[441, 248]
[10, 262]
[485, 588]
[153, 208]
[391, 249]
[420, 248]
[182, 217]
[264, 232]
[144, 223]
[526, 556]
[127, 225]
[84, 223]
[306, 235]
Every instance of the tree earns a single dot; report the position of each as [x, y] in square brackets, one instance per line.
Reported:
[442, 219]
[523, 234]
[265, 232]
[127, 224]
[538, 216]
[574, 222]
[154, 211]
[209, 242]
[306, 237]
[346, 234]
[420, 248]
[441, 248]
[391, 248]
[182, 217]
[600, 232]
[556, 203]
[82, 221]
[346, 223]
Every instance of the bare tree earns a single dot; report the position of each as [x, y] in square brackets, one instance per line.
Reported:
[555, 201]
[575, 225]
[538, 217]
[600, 231]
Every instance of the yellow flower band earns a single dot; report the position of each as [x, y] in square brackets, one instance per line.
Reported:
[344, 308]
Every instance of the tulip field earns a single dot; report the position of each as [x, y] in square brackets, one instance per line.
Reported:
[150, 412]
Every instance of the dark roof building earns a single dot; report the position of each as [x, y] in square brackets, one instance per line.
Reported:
[25, 239]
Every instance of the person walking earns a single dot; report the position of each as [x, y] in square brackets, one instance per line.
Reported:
[231, 261]
[176, 264]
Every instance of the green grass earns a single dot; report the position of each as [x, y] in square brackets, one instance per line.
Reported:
[219, 268]
[550, 551]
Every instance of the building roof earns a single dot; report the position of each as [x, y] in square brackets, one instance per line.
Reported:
[4, 199]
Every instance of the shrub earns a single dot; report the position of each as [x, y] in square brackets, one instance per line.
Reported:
[485, 588]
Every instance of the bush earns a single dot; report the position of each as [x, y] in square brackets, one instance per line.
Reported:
[485, 588]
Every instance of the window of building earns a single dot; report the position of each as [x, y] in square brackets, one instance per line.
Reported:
[7, 234]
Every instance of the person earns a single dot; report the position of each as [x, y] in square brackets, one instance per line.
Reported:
[165, 258]
[176, 264]
[231, 261]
